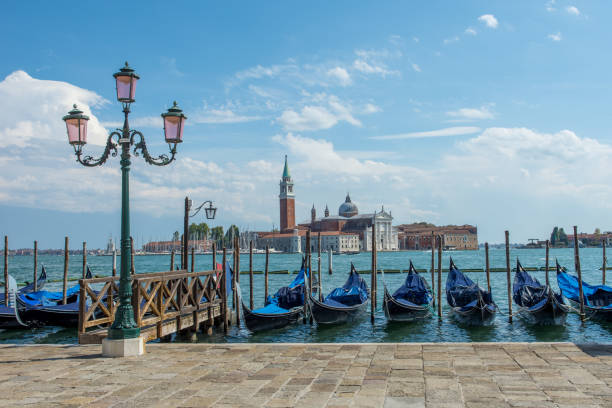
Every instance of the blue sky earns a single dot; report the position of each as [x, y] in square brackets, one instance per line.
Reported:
[493, 113]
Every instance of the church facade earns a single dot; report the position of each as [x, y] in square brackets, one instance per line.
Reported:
[348, 231]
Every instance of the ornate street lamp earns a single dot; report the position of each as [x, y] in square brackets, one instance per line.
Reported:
[124, 326]
[210, 215]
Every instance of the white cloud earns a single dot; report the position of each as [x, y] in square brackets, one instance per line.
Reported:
[451, 131]
[259, 71]
[573, 10]
[550, 6]
[489, 20]
[371, 61]
[32, 109]
[370, 108]
[555, 37]
[317, 117]
[170, 64]
[366, 68]
[416, 68]
[143, 121]
[221, 116]
[472, 113]
[451, 40]
[470, 31]
[341, 75]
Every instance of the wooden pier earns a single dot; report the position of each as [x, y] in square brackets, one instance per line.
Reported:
[164, 303]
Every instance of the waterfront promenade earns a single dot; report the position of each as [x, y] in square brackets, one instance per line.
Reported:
[311, 375]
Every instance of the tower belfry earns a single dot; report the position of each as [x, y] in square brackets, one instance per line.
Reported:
[287, 200]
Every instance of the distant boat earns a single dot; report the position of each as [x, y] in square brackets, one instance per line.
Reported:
[597, 298]
[281, 309]
[411, 301]
[538, 303]
[470, 304]
[342, 304]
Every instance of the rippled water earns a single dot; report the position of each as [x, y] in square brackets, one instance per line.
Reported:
[431, 330]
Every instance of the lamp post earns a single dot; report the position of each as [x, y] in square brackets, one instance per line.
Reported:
[124, 326]
[210, 215]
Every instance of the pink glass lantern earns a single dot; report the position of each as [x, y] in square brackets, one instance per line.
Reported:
[126, 80]
[174, 122]
[76, 125]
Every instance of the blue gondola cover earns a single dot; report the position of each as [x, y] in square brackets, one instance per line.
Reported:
[353, 292]
[597, 296]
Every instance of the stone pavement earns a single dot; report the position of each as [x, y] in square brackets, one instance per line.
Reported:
[310, 375]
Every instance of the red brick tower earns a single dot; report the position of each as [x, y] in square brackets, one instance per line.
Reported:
[287, 200]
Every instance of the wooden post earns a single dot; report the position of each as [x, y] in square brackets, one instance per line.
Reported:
[6, 299]
[508, 276]
[308, 280]
[172, 260]
[373, 275]
[85, 259]
[224, 290]
[132, 255]
[579, 272]
[192, 259]
[488, 267]
[547, 257]
[266, 273]
[35, 266]
[440, 276]
[237, 275]
[603, 268]
[214, 256]
[251, 274]
[319, 265]
[329, 260]
[433, 249]
[309, 252]
[114, 263]
[65, 270]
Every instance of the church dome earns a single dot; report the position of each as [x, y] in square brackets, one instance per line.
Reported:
[348, 209]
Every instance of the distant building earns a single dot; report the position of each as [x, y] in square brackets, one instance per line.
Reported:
[590, 240]
[418, 236]
[160, 247]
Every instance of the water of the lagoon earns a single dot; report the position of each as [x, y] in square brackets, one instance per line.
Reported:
[431, 330]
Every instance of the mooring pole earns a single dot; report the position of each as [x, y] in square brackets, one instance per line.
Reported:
[6, 299]
[251, 274]
[35, 266]
[185, 241]
[234, 275]
[266, 273]
[603, 267]
[488, 268]
[547, 257]
[373, 275]
[508, 276]
[308, 280]
[192, 259]
[214, 256]
[329, 260]
[319, 265]
[114, 263]
[579, 272]
[224, 290]
[237, 274]
[440, 276]
[65, 270]
[433, 268]
[85, 259]
[172, 260]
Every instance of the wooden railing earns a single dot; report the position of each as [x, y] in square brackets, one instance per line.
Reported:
[163, 302]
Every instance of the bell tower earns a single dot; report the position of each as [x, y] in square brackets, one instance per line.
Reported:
[287, 200]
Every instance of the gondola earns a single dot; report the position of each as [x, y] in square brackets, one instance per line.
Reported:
[342, 304]
[7, 313]
[470, 304]
[411, 301]
[47, 307]
[281, 309]
[597, 298]
[538, 304]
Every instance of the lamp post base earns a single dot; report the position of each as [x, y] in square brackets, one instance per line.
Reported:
[123, 347]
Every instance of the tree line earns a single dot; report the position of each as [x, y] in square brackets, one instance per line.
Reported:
[216, 234]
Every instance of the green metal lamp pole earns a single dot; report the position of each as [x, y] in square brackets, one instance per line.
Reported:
[124, 325]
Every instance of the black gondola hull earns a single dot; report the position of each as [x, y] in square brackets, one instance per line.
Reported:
[397, 312]
[594, 313]
[325, 314]
[8, 320]
[474, 316]
[552, 313]
[258, 321]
